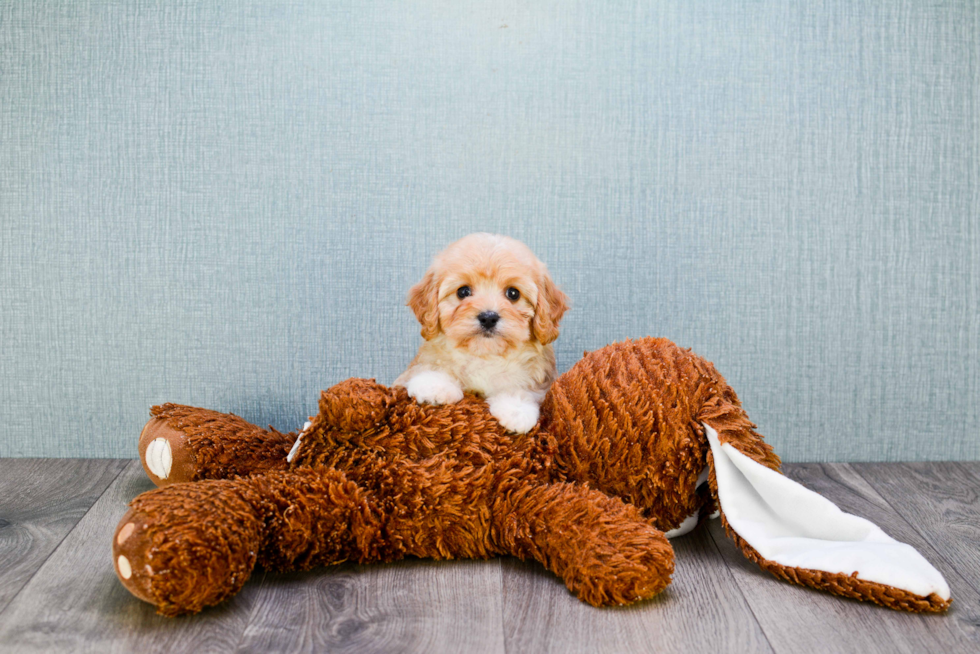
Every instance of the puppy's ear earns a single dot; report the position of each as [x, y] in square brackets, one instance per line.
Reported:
[552, 305]
[423, 299]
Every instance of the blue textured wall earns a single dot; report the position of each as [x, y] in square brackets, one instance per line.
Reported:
[224, 203]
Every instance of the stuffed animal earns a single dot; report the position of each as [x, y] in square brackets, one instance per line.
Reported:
[635, 443]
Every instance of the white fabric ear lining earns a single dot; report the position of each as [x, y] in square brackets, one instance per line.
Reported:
[791, 525]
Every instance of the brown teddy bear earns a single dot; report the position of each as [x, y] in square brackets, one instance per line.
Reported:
[639, 438]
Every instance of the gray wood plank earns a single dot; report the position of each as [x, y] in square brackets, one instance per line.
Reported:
[942, 502]
[797, 619]
[408, 606]
[701, 611]
[41, 500]
[717, 602]
[74, 603]
[972, 467]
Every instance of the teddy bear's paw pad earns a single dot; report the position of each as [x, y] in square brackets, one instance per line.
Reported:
[159, 457]
[129, 545]
[165, 453]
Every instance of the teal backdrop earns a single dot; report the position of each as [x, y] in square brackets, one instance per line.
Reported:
[224, 203]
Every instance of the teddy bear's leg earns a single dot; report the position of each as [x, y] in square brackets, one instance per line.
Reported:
[600, 546]
[182, 443]
[187, 546]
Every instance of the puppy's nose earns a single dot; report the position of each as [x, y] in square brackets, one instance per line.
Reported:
[488, 319]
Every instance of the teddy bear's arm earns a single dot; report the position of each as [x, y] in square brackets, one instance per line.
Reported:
[346, 410]
[600, 546]
[183, 443]
[354, 405]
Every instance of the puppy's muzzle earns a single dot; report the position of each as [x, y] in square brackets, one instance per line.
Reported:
[488, 321]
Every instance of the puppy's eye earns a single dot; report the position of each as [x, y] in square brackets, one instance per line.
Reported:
[513, 294]
[463, 292]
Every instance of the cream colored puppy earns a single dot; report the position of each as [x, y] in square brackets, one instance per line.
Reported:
[489, 312]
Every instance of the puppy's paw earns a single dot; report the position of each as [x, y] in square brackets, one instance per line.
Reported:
[433, 387]
[513, 412]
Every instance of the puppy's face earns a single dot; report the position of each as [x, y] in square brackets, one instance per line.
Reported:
[488, 294]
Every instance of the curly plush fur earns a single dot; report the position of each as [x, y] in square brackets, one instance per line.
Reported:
[613, 463]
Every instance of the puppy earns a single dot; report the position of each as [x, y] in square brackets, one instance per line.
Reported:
[489, 312]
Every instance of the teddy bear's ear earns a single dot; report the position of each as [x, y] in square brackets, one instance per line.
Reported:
[828, 549]
[355, 405]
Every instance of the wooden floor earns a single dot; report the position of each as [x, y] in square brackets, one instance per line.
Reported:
[58, 591]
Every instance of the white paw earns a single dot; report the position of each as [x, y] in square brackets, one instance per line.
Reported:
[159, 458]
[514, 413]
[432, 387]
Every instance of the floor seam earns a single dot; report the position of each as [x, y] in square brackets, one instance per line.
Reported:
[27, 583]
[252, 612]
[503, 604]
[942, 555]
[741, 592]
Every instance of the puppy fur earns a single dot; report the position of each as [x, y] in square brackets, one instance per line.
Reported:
[493, 337]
